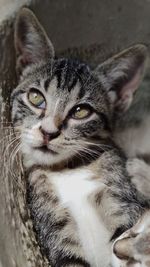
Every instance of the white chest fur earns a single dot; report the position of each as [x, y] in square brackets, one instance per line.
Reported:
[74, 188]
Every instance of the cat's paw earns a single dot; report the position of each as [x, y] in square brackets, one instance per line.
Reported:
[133, 246]
[139, 171]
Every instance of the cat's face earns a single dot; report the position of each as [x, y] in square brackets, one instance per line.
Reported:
[61, 107]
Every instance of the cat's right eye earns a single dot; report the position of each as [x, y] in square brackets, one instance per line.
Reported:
[36, 98]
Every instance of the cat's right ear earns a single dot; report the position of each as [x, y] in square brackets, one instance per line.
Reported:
[122, 74]
[31, 42]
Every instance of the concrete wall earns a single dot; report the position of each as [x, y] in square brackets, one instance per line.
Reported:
[99, 27]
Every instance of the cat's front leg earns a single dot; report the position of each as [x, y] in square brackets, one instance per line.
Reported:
[133, 246]
[55, 228]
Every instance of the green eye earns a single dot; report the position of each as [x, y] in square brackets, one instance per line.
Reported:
[81, 112]
[36, 98]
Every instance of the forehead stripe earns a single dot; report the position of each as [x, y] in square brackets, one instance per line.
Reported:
[46, 84]
[58, 71]
[68, 73]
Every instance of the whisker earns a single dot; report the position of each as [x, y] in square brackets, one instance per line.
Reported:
[13, 155]
[90, 154]
[10, 143]
[11, 160]
[96, 144]
[6, 150]
[7, 136]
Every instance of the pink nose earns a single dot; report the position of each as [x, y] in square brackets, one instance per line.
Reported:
[48, 136]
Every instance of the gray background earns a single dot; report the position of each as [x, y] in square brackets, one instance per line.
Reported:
[100, 27]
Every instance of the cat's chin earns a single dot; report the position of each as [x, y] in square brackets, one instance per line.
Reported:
[46, 150]
[42, 156]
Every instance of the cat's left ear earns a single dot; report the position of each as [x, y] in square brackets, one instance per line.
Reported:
[121, 75]
[31, 41]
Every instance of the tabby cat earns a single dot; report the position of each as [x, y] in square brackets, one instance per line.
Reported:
[79, 193]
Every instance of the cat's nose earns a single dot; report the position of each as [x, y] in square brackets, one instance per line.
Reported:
[48, 136]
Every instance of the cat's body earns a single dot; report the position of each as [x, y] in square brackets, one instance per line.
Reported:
[79, 212]
[79, 192]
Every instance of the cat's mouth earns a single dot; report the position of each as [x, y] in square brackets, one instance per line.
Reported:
[46, 149]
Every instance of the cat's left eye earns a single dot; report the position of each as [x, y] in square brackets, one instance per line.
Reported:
[36, 98]
[81, 112]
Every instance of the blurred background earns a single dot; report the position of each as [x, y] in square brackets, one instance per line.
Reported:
[91, 30]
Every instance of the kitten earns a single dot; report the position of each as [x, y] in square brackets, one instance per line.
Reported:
[78, 190]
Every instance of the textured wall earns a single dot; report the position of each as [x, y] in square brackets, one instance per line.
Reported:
[89, 29]
[95, 25]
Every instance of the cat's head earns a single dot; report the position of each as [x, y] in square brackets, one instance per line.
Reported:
[61, 107]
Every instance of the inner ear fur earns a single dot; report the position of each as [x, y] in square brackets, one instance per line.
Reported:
[121, 75]
[31, 41]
